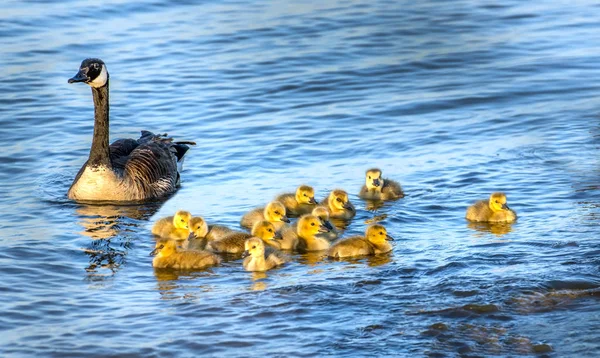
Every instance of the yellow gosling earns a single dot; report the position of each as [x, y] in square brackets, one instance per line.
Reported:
[309, 228]
[167, 255]
[234, 243]
[492, 210]
[173, 227]
[274, 212]
[339, 205]
[377, 188]
[197, 239]
[257, 259]
[299, 203]
[323, 214]
[374, 242]
[217, 232]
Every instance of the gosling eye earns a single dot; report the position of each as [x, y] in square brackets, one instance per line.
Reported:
[277, 212]
[339, 200]
[497, 202]
[369, 177]
[312, 224]
[381, 233]
[270, 230]
[254, 247]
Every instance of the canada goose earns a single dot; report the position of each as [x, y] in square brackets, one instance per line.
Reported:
[128, 169]
[309, 227]
[256, 258]
[234, 243]
[299, 203]
[274, 213]
[377, 188]
[167, 255]
[339, 205]
[492, 210]
[173, 227]
[290, 234]
[374, 242]
[197, 239]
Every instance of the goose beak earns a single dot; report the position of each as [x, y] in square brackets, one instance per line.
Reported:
[505, 207]
[79, 77]
[323, 228]
[389, 238]
[312, 200]
[348, 206]
[156, 250]
[285, 219]
[278, 236]
[376, 182]
[245, 254]
[328, 225]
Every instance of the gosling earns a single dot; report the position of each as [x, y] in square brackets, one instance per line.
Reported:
[173, 227]
[167, 255]
[291, 233]
[274, 213]
[257, 259]
[234, 243]
[309, 228]
[374, 242]
[377, 188]
[299, 203]
[339, 205]
[492, 210]
[197, 239]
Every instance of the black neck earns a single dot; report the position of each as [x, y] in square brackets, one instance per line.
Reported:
[100, 153]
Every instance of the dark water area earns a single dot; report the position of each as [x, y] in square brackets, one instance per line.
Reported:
[454, 100]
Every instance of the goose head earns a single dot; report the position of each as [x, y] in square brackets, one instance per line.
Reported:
[498, 202]
[164, 248]
[305, 195]
[373, 179]
[93, 72]
[323, 214]
[310, 225]
[254, 247]
[265, 230]
[275, 211]
[198, 227]
[377, 234]
[338, 200]
[181, 220]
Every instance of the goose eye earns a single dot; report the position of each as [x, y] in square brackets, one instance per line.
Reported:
[277, 212]
[496, 201]
[380, 233]
[338, 199]
[312, 224]
[270, 230]
[369, 177]
[254, 247]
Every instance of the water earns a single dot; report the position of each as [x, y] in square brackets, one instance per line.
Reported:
[454, 100]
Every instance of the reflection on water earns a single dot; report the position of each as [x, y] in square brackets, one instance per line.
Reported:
[258, 283]
[498, 229]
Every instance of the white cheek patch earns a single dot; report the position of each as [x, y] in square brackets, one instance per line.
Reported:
[101, 79]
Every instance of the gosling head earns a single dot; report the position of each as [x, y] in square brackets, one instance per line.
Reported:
[164, 248]
[275, 211]
[305, 195]
[338, 200]
[198, 227]
[310, 225]
[265, 230]
[254, 247]
[181, 220]
[93, 72]
[498, 202]
[323, 214]
[373, 179]
[377, 234]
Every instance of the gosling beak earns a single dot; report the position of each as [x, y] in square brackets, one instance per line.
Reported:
[323, 228]
[285, 219]
[328, 225]
[505, 207]
[245, 254]
[312, 200]
[348, 206]
[81, 76]
[156, 250]
[376, 182]
[389, 238]
[192, 236]
[278, 236]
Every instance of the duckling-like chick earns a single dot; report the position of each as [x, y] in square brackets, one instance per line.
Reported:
[256, 258]
[274, 213]
[217, 232]
[309, 228]
[339, 205]
[234, 243]
[167, 255]
[377, 188]
[374, 242]
[299, 203]
[197, 239]
[492, 210]
[173, 227]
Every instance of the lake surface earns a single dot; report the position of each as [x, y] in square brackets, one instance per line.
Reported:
[454, 100]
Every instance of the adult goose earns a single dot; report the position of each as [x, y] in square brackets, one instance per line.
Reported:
[128, 169]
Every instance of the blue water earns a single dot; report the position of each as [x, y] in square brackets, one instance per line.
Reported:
[452, 99]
